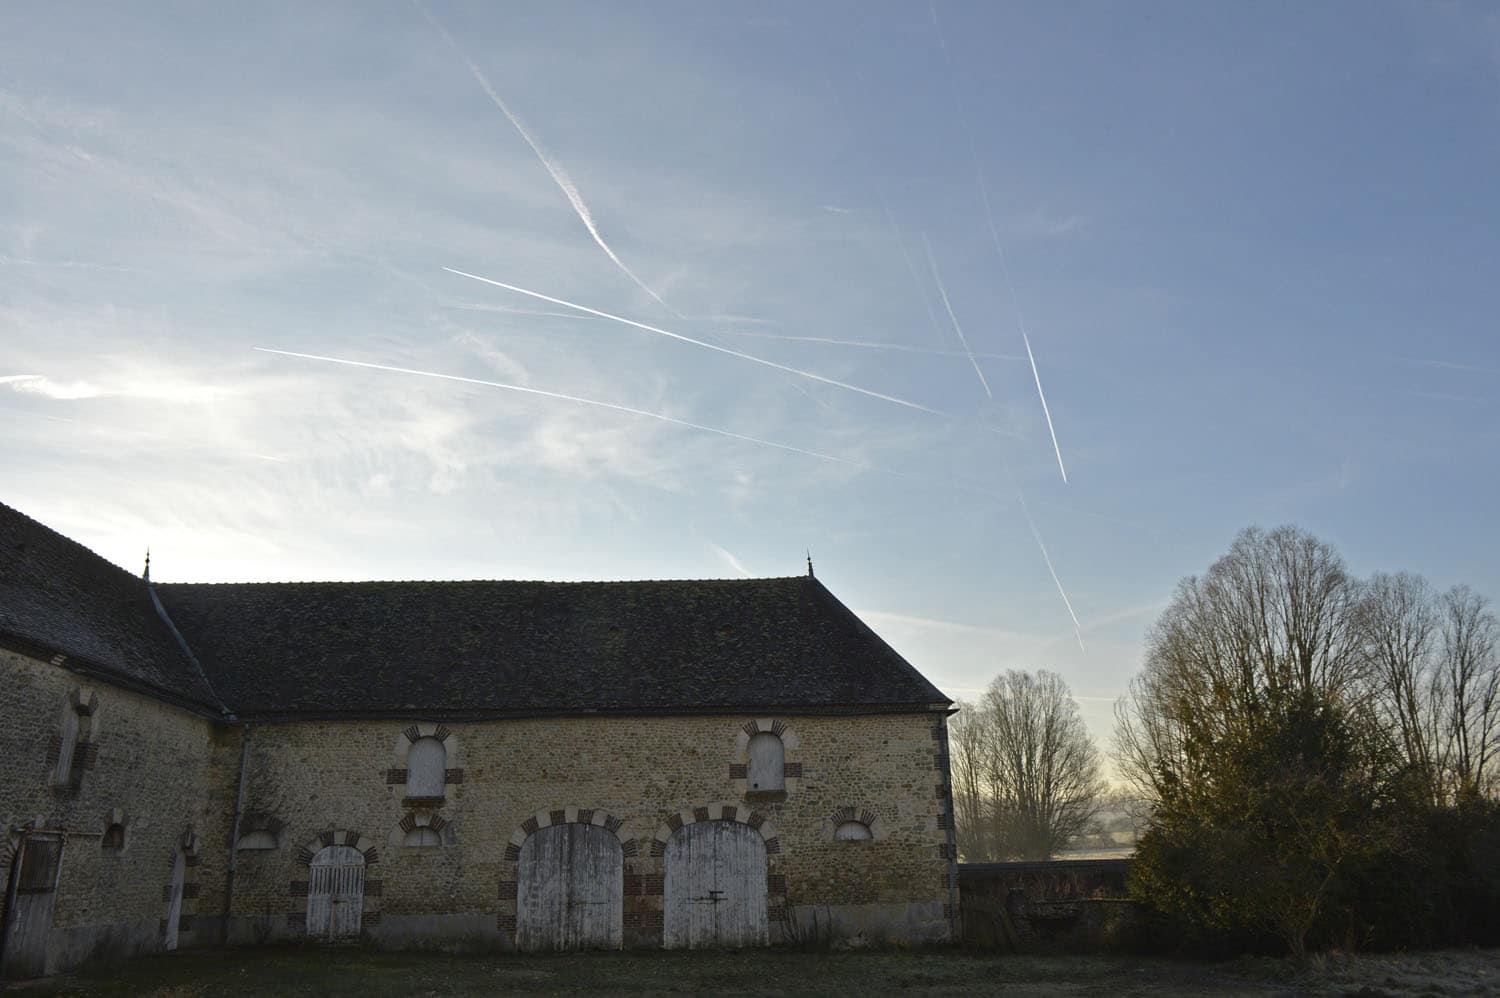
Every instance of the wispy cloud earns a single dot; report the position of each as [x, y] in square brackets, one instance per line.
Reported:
[707, 346]
[36, 384]
[729, 559]
[1447, 396]
[563, 397]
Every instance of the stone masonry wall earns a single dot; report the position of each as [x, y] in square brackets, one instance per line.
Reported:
[170, 779]
[315, 783]
[139, 763]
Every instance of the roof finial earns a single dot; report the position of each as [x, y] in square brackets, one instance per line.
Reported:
[809, 563]
[147, 574]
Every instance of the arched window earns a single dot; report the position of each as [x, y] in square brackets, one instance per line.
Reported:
[114, 837]
[425, 766]
[852, 831]
[422, 837]
[766, 772]
[257, 839]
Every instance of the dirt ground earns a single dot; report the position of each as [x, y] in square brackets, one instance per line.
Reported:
[324, 972]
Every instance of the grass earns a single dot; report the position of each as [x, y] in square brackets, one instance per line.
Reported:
[306, 971]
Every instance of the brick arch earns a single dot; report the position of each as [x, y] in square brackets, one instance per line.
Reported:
[395, 775]
[505, 918]
[420, 818]
[425, 729]
[566, 816]
[791, 758]
[296, 917]
[715, 812]
[338, 837]
[849, 812]
[775, 874]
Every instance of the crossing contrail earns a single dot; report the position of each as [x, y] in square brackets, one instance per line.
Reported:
[558, 174]
[583, 401]
[989, 217]
[943, 293]
[937, 327]
[867, 345]
[708, 346]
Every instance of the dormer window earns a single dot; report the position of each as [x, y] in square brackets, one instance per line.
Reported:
[425, 768]
[766, 766]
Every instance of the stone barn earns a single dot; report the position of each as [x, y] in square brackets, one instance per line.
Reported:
[481, 765]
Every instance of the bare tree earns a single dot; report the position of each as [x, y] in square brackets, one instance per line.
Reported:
[1401, 623]
[1470, 677]
[1045, 780]
[1271, 623]
[969, 742]
[1436, 677]
[1026, 778]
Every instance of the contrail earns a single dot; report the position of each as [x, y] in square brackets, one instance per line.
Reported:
[583, 401]
[559, 176]
[1453, 366]
[989, 217]
[1037, 535]
[943, 293]
[1015, 301]
[507, 310]
[868, 345]
[959, 485]
[708, 346]
[937, 327]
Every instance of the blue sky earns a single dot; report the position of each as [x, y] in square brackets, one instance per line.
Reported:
[1255, 250]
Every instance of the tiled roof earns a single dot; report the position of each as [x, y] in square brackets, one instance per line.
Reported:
[526, 648]
[451, 648]
[58, 597]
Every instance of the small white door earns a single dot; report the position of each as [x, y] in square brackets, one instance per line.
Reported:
[570, 889]
[335, 893]
[30, 921]
[174, 905]
[715, 887]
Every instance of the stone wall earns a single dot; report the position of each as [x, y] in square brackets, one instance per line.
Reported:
[318, 783]
[1060, 905]
[170, 779]
[139, 764]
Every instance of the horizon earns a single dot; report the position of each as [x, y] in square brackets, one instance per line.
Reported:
[1012, 316]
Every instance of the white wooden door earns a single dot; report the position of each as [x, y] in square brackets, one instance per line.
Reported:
[174, 903]
[29, 923]
[715, 887]
[570, 889]
[335, 893]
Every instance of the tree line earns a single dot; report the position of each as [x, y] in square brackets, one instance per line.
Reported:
[1318, 755]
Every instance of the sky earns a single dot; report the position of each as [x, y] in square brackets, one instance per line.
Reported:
[1254, 252]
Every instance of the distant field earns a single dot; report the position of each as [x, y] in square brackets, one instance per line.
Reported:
[323, 972]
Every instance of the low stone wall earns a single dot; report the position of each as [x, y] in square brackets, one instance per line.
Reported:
[1062, 905]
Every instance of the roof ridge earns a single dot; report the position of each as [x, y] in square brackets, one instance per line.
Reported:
[866, 629]
[491, 582]
[72, 543]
